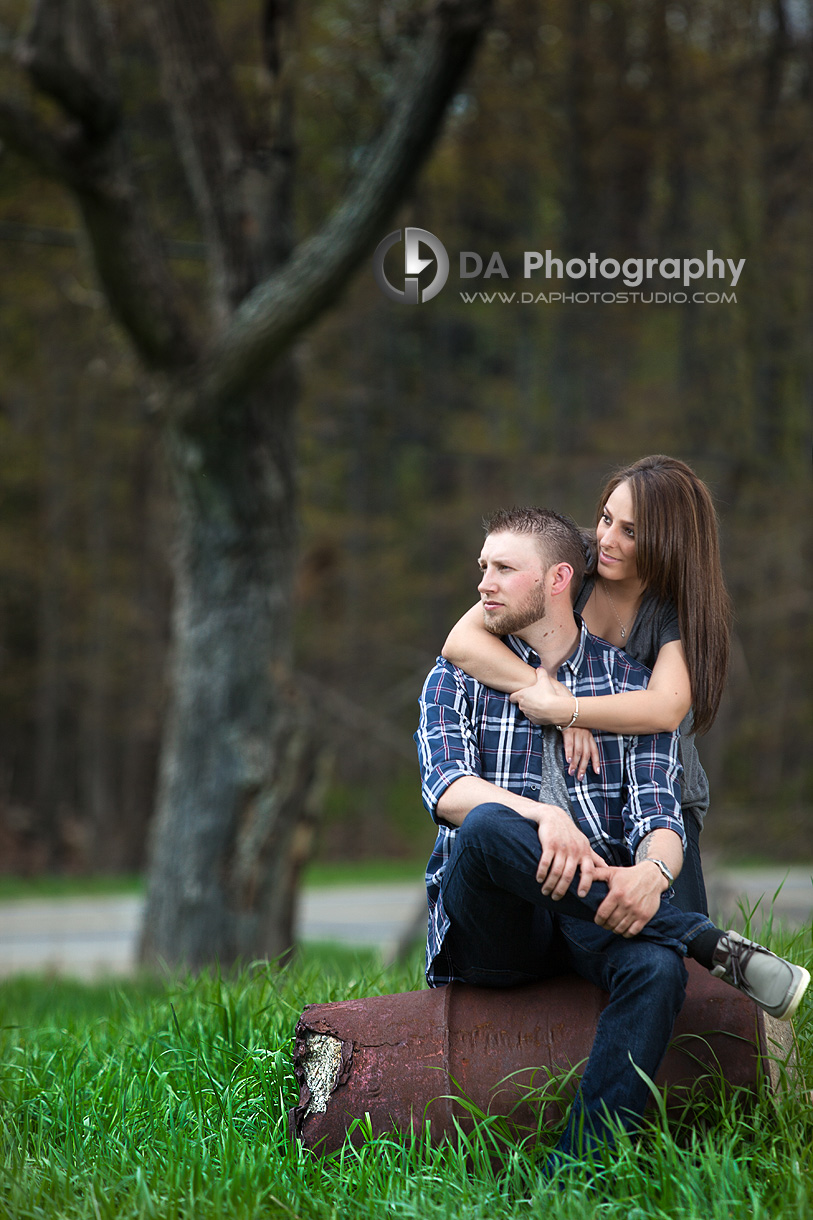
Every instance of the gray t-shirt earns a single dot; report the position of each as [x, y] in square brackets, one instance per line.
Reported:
[553, 788]
[656, 624]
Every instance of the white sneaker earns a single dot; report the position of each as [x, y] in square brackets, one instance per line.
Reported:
[776, 985]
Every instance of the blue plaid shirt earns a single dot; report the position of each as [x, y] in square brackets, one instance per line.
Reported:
[468, 729]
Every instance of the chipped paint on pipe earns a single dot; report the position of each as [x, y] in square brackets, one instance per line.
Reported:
[406, 1058]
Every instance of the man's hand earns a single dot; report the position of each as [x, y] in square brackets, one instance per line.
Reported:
[564, 849]
[634, 897]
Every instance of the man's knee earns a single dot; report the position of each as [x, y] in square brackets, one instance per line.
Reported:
[488, 823]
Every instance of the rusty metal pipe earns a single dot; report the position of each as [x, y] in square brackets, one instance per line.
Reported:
[406, 1058]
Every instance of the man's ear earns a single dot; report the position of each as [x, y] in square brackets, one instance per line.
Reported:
[561, 575]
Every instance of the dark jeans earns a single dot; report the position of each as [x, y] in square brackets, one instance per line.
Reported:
[504, 932]
[690, 888]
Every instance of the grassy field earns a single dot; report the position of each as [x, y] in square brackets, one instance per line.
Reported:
[317, 875]
[168, 1099]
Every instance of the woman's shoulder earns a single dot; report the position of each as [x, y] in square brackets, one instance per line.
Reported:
[656, 624]
[664, 618]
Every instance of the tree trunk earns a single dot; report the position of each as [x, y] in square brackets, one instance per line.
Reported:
[239, 765]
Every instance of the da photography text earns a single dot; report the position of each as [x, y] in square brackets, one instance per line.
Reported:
[419, 250]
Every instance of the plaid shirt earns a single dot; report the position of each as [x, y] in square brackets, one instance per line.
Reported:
[468, 729]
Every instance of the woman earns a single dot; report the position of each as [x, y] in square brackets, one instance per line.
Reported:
[657, 591]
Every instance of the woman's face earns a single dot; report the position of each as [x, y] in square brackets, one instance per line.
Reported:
[615, 534]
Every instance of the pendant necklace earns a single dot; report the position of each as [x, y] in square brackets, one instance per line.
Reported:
[615, 612]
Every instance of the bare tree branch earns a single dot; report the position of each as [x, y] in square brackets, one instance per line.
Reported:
[213, 136]
[66, 53]
[133, 270]
[278, 309]
[276, 20]
[273, 215]
[127, 255]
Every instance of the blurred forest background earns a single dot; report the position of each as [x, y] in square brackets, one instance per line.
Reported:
[628, 128]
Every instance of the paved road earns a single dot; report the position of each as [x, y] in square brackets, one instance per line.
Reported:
[785, 889]
[88, 937]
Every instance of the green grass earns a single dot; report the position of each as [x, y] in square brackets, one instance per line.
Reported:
[169, 1099]
[14, 888]
[319, 874]
[365, 872]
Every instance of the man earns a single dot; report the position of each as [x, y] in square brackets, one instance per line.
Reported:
[535, 872]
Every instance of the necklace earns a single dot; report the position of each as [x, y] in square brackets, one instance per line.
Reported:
[615, 612]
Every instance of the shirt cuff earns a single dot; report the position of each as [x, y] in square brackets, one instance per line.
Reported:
[658, 822]
[439, 779]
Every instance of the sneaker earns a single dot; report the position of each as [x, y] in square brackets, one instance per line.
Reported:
[775, 985]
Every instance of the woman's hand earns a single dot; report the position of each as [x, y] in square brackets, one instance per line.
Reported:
[550, 702]
[546, 702]
[580, 750]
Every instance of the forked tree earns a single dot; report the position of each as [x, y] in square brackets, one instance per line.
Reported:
[237, 766]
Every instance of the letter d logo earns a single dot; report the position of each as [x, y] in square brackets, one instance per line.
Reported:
[413, 266]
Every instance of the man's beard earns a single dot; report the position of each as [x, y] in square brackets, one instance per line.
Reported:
[512, 622]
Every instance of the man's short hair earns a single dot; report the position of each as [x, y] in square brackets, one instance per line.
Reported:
[558, 537]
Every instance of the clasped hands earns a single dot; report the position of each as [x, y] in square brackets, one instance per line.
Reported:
[550, 702]
[634, 892]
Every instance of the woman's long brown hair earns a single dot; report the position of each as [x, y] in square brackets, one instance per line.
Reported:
[677, 549]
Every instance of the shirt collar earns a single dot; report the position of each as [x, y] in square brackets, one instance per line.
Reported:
[529, 655]
[574, 661]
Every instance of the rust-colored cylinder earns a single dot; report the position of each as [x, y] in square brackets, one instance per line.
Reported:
[402, 1059]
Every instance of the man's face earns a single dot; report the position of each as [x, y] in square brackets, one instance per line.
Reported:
[512, 588]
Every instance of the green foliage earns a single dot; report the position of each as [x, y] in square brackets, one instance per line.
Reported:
[364, 872]
[169, 1099]
[625, 130]
[373, 816]
[49, 886]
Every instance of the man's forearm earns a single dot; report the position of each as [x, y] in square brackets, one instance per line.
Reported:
[663, 845]
[469, 791]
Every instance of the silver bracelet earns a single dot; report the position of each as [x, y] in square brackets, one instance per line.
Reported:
[573, 718]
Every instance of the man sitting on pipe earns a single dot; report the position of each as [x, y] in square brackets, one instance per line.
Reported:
[536, 873]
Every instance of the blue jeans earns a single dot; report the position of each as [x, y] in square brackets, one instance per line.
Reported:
[505, 931]
[690, 888]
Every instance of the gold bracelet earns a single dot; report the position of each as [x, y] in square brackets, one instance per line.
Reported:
[573, 718]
